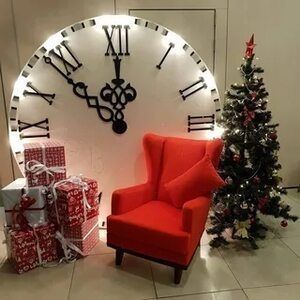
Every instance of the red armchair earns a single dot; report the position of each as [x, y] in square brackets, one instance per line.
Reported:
[148, 220]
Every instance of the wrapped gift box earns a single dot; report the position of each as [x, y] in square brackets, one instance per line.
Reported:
[11, 195]
[84, 236]
[51, 154]
[29, 248]
[70, 209]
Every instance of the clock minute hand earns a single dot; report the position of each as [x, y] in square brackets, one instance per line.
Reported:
[117, 63]
[49, 61]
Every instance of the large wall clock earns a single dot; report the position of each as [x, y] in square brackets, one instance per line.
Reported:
[100, 85]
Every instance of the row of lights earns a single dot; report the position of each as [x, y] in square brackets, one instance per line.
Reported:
[54, 40]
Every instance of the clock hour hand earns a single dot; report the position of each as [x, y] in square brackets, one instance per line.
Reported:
[80, 90]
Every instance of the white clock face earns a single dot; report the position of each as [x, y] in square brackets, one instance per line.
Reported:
[99, 85]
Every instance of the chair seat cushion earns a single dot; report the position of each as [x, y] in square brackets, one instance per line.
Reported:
[201, 179]
[155, 223]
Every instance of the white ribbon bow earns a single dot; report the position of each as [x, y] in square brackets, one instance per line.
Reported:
[37, 168]
[67, 246]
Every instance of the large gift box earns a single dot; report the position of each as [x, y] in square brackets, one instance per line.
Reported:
[75, 200]
[84, 236]
[44, 162]
[12, 194]
[31, 247]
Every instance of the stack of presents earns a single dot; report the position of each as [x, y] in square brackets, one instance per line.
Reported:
[49, 218]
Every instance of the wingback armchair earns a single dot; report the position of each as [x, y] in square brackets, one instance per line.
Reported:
[164, 218]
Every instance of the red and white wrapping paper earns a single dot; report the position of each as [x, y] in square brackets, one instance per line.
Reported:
[31, 247]
[44, 163]
[84, 236]
[11, 195]
[75, 200]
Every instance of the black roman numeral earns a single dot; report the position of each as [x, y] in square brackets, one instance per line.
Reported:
[188, 91]
[35, 92]
[196, 123]
[171, 45]
[66, 58]
[43, 126]
[122, 35]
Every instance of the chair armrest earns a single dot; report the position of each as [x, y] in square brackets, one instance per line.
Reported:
[195, 214]
[124, 200]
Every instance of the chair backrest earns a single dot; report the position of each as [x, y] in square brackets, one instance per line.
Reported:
[169, 157]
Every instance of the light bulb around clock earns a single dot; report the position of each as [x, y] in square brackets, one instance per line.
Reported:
[20, 86]
[53, 41]
[176, 40]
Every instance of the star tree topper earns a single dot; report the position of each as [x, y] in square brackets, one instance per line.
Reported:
[250, 47]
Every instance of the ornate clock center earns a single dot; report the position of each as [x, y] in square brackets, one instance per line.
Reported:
[118, 96]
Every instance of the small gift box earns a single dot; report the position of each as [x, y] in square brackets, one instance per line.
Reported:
[75, 200]
[31, 247]
[44, 162]
[34, 211]
[84, 236]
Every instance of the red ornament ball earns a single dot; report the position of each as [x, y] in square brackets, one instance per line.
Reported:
[262, 202]
[284, 223]
[226, 212]
[236, 157]
[256, 179]
[273, 135]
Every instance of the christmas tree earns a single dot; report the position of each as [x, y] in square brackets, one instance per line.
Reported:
[249, 163]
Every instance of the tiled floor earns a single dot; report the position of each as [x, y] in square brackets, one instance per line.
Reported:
[271, 272]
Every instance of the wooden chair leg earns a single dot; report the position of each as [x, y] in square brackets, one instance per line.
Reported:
[119, 256]
[177, 275]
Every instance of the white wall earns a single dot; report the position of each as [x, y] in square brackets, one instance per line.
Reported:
[276, 25]
[25, 24]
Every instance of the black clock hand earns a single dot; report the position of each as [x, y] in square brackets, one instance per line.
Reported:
[80, 90]
[49, 61]
[117, 95]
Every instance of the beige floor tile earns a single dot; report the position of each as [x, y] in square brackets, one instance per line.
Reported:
[294, 195]
[293, 243]
[272, 264]
[208, 272]
[228, 295]
[205, 239]
[97, 277]
[288, 292]
[40, 283]
[101, 248]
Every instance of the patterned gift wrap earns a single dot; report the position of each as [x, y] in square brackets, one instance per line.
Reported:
[70, 209]
[29, 248]
[51, 154]
[11, 196]
[84, 236]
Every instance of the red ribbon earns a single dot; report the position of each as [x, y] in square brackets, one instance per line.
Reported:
[18, 211]
[249, 116]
